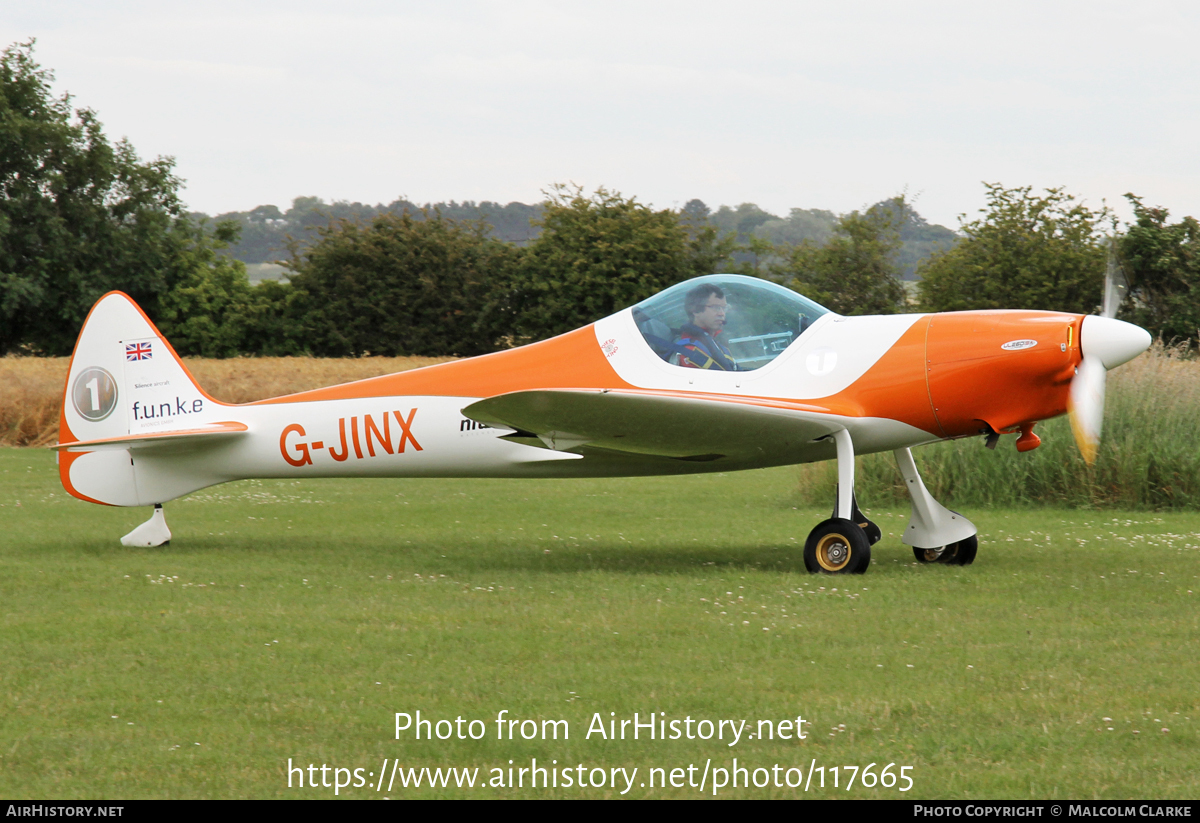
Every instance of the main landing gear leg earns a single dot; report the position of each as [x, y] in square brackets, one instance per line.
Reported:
[153, 532]
[874, 533]
[840, 545]
[936, 534]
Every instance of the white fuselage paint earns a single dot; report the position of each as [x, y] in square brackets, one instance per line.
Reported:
[826, 359]
[439, 442]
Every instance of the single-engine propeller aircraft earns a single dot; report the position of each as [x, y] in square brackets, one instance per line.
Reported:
[718, 373]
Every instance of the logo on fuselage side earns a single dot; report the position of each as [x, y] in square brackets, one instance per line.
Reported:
[1017, 345]
[300, 452]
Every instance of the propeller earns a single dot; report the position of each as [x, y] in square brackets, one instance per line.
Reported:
[1086, 405]
[1115, 284]
[1105, 343]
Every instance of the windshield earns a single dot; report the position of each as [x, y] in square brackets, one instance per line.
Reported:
[726, 322]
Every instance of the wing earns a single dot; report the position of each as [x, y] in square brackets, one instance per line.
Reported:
[697, 428]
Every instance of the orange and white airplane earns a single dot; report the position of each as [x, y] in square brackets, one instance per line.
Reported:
[719, 373]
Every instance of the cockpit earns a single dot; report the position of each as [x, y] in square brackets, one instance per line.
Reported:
[724, 322]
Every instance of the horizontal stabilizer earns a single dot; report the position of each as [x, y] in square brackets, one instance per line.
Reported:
[651, 423]
[181, 437]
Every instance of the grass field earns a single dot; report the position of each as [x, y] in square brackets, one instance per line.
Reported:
[293, 620]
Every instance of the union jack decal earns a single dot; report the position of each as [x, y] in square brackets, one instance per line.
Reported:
[138, 351]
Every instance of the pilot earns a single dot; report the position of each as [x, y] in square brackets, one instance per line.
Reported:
[696, 344]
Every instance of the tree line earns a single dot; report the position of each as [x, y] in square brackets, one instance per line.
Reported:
[80, 216]
[268, 233]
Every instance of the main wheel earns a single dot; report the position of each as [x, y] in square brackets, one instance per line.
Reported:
[928, 555]
[837, 546]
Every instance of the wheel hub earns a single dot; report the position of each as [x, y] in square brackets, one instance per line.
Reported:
[833, 552]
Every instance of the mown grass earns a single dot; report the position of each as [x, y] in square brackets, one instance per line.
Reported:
[291, 620]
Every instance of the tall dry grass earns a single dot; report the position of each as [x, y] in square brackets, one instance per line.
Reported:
[30, 391]
[31, 387]
[1149, 455]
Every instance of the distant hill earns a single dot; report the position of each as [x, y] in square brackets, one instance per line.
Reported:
[266, 229]
[919, 238]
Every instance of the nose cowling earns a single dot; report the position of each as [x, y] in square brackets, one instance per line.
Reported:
[999, 369]
[1111, 341]
[1011, 368]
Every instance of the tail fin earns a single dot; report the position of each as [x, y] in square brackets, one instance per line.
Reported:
[127, 387]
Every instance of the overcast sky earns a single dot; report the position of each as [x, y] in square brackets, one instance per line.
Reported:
[815, 105]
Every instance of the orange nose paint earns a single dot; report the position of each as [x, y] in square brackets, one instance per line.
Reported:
[1002, 368]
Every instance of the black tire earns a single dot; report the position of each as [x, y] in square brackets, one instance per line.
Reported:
[962, 553]
[837, 546]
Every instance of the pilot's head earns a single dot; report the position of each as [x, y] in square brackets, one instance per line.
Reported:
[706, 307]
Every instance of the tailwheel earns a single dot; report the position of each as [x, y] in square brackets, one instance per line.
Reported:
[961, 553]
[837, 546]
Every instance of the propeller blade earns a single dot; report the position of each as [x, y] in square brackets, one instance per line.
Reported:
[1106, 343]
[1115, 284]
[1086, 406]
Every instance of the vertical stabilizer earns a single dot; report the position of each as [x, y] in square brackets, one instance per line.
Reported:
[124, 379]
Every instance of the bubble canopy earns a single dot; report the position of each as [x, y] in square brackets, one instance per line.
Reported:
[724, 322]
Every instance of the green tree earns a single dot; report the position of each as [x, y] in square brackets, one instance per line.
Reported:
[742, 221]
[271, 320]
[79, 216]
[1027, 251]
[813, 225]
[1162, 262]
[398, 285]
[854, 272]
[919, 239]
[208, 310]
[596, 255]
